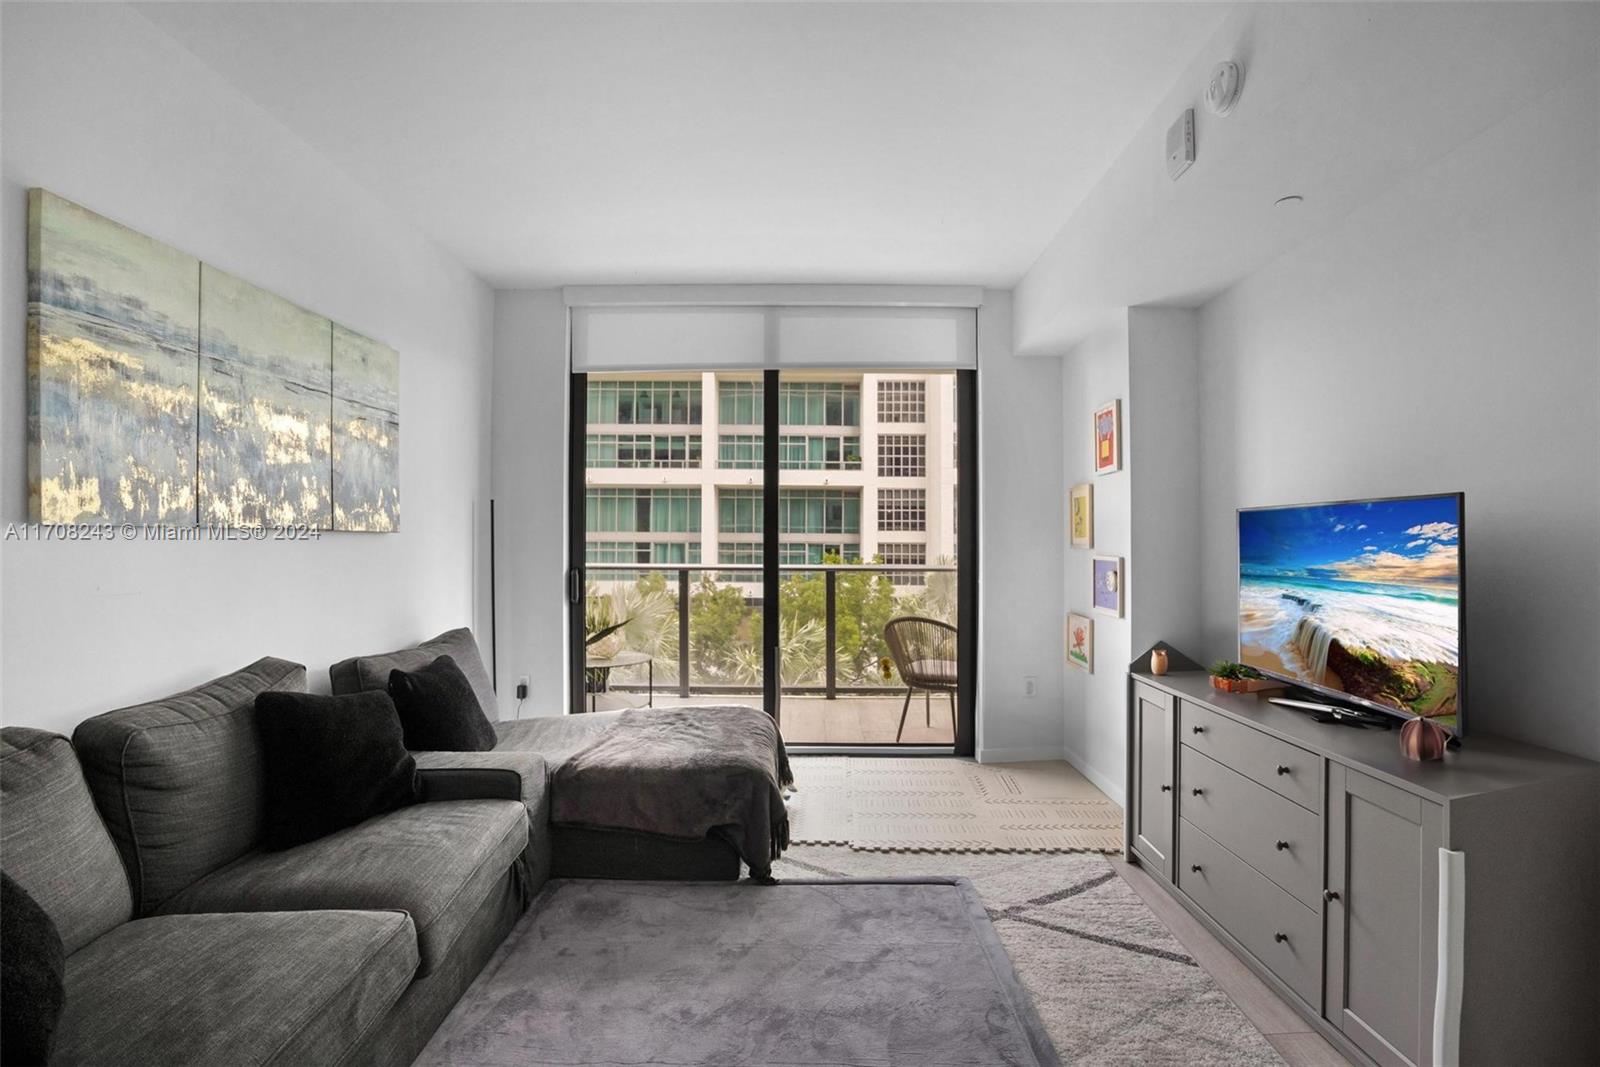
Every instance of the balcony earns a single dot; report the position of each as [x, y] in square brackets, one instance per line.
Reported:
[700, 627]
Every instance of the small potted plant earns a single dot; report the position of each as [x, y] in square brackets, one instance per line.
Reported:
[1237, 678]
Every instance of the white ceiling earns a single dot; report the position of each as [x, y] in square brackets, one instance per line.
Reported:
[549, 144]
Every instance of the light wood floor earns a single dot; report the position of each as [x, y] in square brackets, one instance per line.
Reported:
[1291, 1035]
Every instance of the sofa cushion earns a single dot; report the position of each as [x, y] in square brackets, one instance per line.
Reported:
[330, 762]
[360, 673]
[178, 780]
[52, 841]
[32, 972]
[287, 988]
[436, 862]
[555, 737]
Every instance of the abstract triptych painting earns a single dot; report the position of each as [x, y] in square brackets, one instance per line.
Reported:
[165, 391]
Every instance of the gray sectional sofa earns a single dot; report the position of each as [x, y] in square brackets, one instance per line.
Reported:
[188, 944]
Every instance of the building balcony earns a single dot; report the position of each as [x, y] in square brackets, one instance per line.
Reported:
[699, 629]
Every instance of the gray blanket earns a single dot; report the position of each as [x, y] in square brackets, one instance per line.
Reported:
[688, 773]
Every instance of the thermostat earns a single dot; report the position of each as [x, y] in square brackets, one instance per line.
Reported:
[1180, 145]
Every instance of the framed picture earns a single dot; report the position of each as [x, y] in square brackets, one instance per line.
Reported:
[1108, 585]
[1080, 515]
[1080, 641]
[1108, 438]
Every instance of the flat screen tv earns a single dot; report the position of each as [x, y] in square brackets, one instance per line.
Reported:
[1360, 601]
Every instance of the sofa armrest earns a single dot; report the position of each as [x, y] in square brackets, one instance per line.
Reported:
[500, 774]
[482, 776]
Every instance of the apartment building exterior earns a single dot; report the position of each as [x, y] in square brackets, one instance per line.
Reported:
[867, 470]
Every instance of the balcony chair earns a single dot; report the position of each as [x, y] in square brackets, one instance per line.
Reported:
[924, 652]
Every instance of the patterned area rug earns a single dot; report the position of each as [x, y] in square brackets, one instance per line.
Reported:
[1110, 982]
[910, 804]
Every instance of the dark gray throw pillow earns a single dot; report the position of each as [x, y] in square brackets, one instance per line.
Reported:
[32, 977]
[329, 763]
[439, 712]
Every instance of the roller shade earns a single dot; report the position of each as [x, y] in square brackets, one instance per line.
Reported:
[657, 337]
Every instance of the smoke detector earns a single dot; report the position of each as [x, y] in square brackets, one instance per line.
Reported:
[1222, 92]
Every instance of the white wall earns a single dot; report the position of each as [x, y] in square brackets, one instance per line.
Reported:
[530, 495]
[1094, 702]
[101, 107]
[1162, 582]
[1022, 504]
[1446, 336]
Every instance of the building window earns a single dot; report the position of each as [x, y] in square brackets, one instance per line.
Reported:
[819, 511]
[819, 403]
[739, 403]
[903, 401]
[643, 450]
[642, 510]
[740, 451]
[625, 403]
[797, 452]
[902, 509]
[642, 552]
[902, 455]
[741, 552]
[739, 511]
[908, 555]
[812, 553]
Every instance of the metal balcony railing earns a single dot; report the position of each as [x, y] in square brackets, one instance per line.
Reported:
[605, 578]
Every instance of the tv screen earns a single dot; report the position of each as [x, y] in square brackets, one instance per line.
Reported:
[1360, 600]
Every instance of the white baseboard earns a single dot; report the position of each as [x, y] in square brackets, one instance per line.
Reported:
[1111, 787]
[1019, 755]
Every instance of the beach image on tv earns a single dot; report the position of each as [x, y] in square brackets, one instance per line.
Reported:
[1361, 598]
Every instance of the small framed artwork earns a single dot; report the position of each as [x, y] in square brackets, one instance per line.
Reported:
[1108, 585]
[1080, 641]
[1080, 515]
[1108, 438]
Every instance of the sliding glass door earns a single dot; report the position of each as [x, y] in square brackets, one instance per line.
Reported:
[795, 540]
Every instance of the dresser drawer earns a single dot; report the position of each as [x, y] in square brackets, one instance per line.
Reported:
[1279, 838]
[1283, 768]
[1278, 930]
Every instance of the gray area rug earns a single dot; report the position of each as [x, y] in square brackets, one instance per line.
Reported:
[821, 971]
[1108, 980]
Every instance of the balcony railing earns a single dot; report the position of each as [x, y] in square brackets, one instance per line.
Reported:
[713, 627]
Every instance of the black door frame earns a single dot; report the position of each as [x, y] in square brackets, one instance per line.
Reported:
[771, 633]
[577, 529]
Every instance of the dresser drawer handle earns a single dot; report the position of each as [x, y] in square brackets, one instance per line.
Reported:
[1330, 895]
[1195, 867]
[1280, 938]
[1166, 789]
[1197, 791]
[1282, 846]
[1283, 768]
[1199, 729]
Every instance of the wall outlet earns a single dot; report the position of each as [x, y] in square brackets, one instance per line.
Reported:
[1030, 686]
[522, 688]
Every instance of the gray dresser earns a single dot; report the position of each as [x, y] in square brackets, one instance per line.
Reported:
[1313, 852]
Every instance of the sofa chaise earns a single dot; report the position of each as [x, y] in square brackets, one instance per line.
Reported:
[188, 944]
[587, 844]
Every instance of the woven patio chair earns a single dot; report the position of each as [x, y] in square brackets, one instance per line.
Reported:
[924, 652]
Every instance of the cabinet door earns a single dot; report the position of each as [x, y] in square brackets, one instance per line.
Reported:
[1152, 764]
[1381, 915]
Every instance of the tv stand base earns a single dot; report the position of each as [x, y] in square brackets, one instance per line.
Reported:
[1335, 713]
